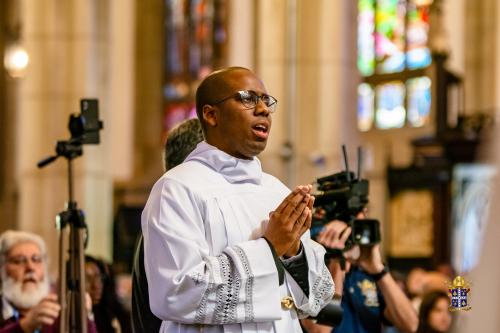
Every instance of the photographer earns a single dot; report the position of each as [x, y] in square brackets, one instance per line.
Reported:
[370, 296]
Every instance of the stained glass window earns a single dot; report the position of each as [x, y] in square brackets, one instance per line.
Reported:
[195, 43]
[365, 107]
[419, 100]
[392, 52]
[418, 54]
[366, 38]
[390, 105]
[390, 35]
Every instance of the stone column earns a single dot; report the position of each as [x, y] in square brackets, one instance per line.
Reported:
[270, 65]
[303, 57]
[68, 43]
[241, 33]
[326, 83]
[8, 88]
[481, 85]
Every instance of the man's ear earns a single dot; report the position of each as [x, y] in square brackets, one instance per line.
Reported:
[210, 115]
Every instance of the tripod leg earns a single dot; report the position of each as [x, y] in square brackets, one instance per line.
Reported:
[81, 279]
[63, 248]
[78, 311]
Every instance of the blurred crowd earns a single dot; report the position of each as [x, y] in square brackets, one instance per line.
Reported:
[28, 293]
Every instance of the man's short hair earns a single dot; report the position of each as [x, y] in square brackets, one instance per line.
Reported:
[181, 141]
[212, 88]
[11, 238]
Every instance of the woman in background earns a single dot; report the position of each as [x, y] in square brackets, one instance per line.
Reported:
[434, 315]
[110, 316]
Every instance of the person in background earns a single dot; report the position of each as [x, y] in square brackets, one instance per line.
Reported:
[27, 305]
[434, 315]
[370, 297]
[109, 314]
[226, 246]
[421, 282]
[181, 141]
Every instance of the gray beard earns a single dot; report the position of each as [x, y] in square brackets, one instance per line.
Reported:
[13, 292]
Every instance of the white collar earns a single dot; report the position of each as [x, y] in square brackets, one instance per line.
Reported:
[234, 170]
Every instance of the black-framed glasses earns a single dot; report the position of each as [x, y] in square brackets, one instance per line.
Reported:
[23, 260]
[249, 99]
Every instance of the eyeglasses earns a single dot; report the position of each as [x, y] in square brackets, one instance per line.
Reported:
[23, 260]
[249, 99]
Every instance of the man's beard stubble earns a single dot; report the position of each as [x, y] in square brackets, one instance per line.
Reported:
[24, 299]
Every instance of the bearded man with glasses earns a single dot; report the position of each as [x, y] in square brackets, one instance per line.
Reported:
[226, 245]
[27, 305]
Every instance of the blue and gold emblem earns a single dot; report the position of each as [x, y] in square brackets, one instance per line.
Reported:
[369, 291]
[458, 292]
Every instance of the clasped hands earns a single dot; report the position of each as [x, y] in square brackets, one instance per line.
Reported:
[291, 219]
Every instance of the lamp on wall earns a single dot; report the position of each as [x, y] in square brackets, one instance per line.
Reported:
[15, 57]
[15, 60]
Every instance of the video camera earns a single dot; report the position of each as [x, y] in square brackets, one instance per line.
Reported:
[342, 196]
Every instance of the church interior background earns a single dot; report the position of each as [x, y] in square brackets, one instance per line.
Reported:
[415, 83]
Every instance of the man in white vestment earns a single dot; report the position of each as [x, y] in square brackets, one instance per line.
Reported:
[226, 246]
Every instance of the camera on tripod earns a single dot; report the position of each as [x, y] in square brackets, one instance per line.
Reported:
[84, 129]
[85, 126]
[342, 196]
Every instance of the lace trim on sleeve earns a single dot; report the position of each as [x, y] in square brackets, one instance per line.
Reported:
[322, 291]
[227, 293]
[249, 285]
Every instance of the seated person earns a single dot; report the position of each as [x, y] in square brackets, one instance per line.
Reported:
[27, 305]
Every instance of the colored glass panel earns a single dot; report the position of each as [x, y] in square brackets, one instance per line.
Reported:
[418, 54]
[390, 112]
[195, 43]
[366, 105]
[390, 35]
[419, 101]
[366, 39]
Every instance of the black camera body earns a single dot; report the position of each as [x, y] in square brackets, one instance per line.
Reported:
[341, 197]
[85, 126]
[84, 129]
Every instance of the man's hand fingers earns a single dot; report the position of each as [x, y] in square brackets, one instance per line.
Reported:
[345, 235]
[310, 204]
[294, 211]
[299, 223]
[288, 198]
[50, 309]
[307, 223]
[334, 234]
[46, 320]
